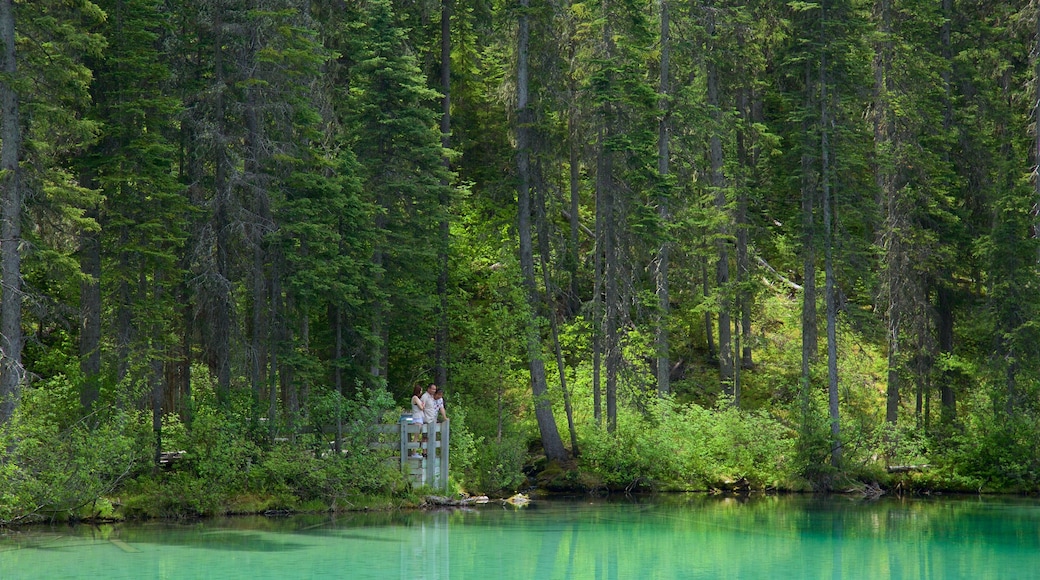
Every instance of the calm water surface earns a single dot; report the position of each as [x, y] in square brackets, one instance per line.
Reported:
[670, 537]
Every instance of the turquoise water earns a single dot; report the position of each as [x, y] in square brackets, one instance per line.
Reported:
[669, 537]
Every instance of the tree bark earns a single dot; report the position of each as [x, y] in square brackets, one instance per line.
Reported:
[441, 341]
[11, 339]
[597, 295]
[810, 332]
[944, 294]
[832, 313]
[221, 322]
[90, 316]
[718, 183]
[574, 178]
[661, 346]
[747, 153]
[551, 442]
[543, 250]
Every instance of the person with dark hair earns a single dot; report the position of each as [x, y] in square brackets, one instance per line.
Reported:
[418, 406]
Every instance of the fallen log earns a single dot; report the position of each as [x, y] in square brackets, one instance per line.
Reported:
[441, 501]
[907, 468]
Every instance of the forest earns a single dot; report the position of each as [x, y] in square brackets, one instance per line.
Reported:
[643, 245]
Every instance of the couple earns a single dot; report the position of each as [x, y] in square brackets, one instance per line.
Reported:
[426, 407]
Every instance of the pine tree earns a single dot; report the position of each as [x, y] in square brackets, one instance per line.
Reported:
[398, 143]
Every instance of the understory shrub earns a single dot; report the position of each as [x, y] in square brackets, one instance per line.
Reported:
[497, 465]
[689, 447]
[49, 472]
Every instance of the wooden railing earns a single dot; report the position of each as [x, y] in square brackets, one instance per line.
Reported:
[421, 451]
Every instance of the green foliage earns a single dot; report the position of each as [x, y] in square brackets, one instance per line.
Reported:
[690, 447]
[225, 470]
[496, 466]
[52, 472]
[993, 453]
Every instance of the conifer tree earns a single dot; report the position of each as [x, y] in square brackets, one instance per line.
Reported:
[398, 143]
[133, 261]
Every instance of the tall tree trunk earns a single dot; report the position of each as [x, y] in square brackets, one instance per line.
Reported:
[259, 335]
[895, 222]
[337, 372]
[155, 375]
[441, 341]
[597, 295]
[944, 294]
[90, 315]
[551, 442]
[611, 273]
[709, 328]
[221, 322]
[605, 195]
[661, 347]
[375, 364]
[543, 249]
[574, 162]
[747, 153]
[718, 183]
[832, 313]
[277, 340]
[1036, 123]
[810, 332]
[11, 340]
[947, 393]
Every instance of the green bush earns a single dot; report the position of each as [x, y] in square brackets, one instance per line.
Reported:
[995, 454]
[51, 472]
[689, 447]
[497, 466]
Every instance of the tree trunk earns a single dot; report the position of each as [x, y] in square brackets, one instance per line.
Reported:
[262, 221]
[337, 372]
[709, 328]
[441, 346]
[832, 313]
[947, 392]
[597, 295]
[611, 273]
[574, 180]
[90, 316]
[718, 183]
[661, 346]
[891, 234]
[551, 442]
[810, 333]
[747, 154]
[11, 340]
[277, 340]
[1036, 124]
[944, 294]
[155, 375]
[543, 250]
[221, 321]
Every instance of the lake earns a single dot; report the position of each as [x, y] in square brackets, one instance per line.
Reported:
[668, 536]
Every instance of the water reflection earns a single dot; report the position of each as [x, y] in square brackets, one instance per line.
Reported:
[676, 536]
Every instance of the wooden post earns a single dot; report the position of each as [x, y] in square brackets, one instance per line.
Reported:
[429, 475]
[444, 456]
[403, 429]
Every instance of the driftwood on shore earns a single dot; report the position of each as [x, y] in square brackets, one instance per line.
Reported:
[441, 501]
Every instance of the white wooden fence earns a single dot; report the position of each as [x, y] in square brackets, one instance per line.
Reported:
[421, 451]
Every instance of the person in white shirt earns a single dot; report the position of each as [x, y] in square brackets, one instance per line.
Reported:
[429, 405]
[438, 398]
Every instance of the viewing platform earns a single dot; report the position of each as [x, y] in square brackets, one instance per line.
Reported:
[421, 451]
